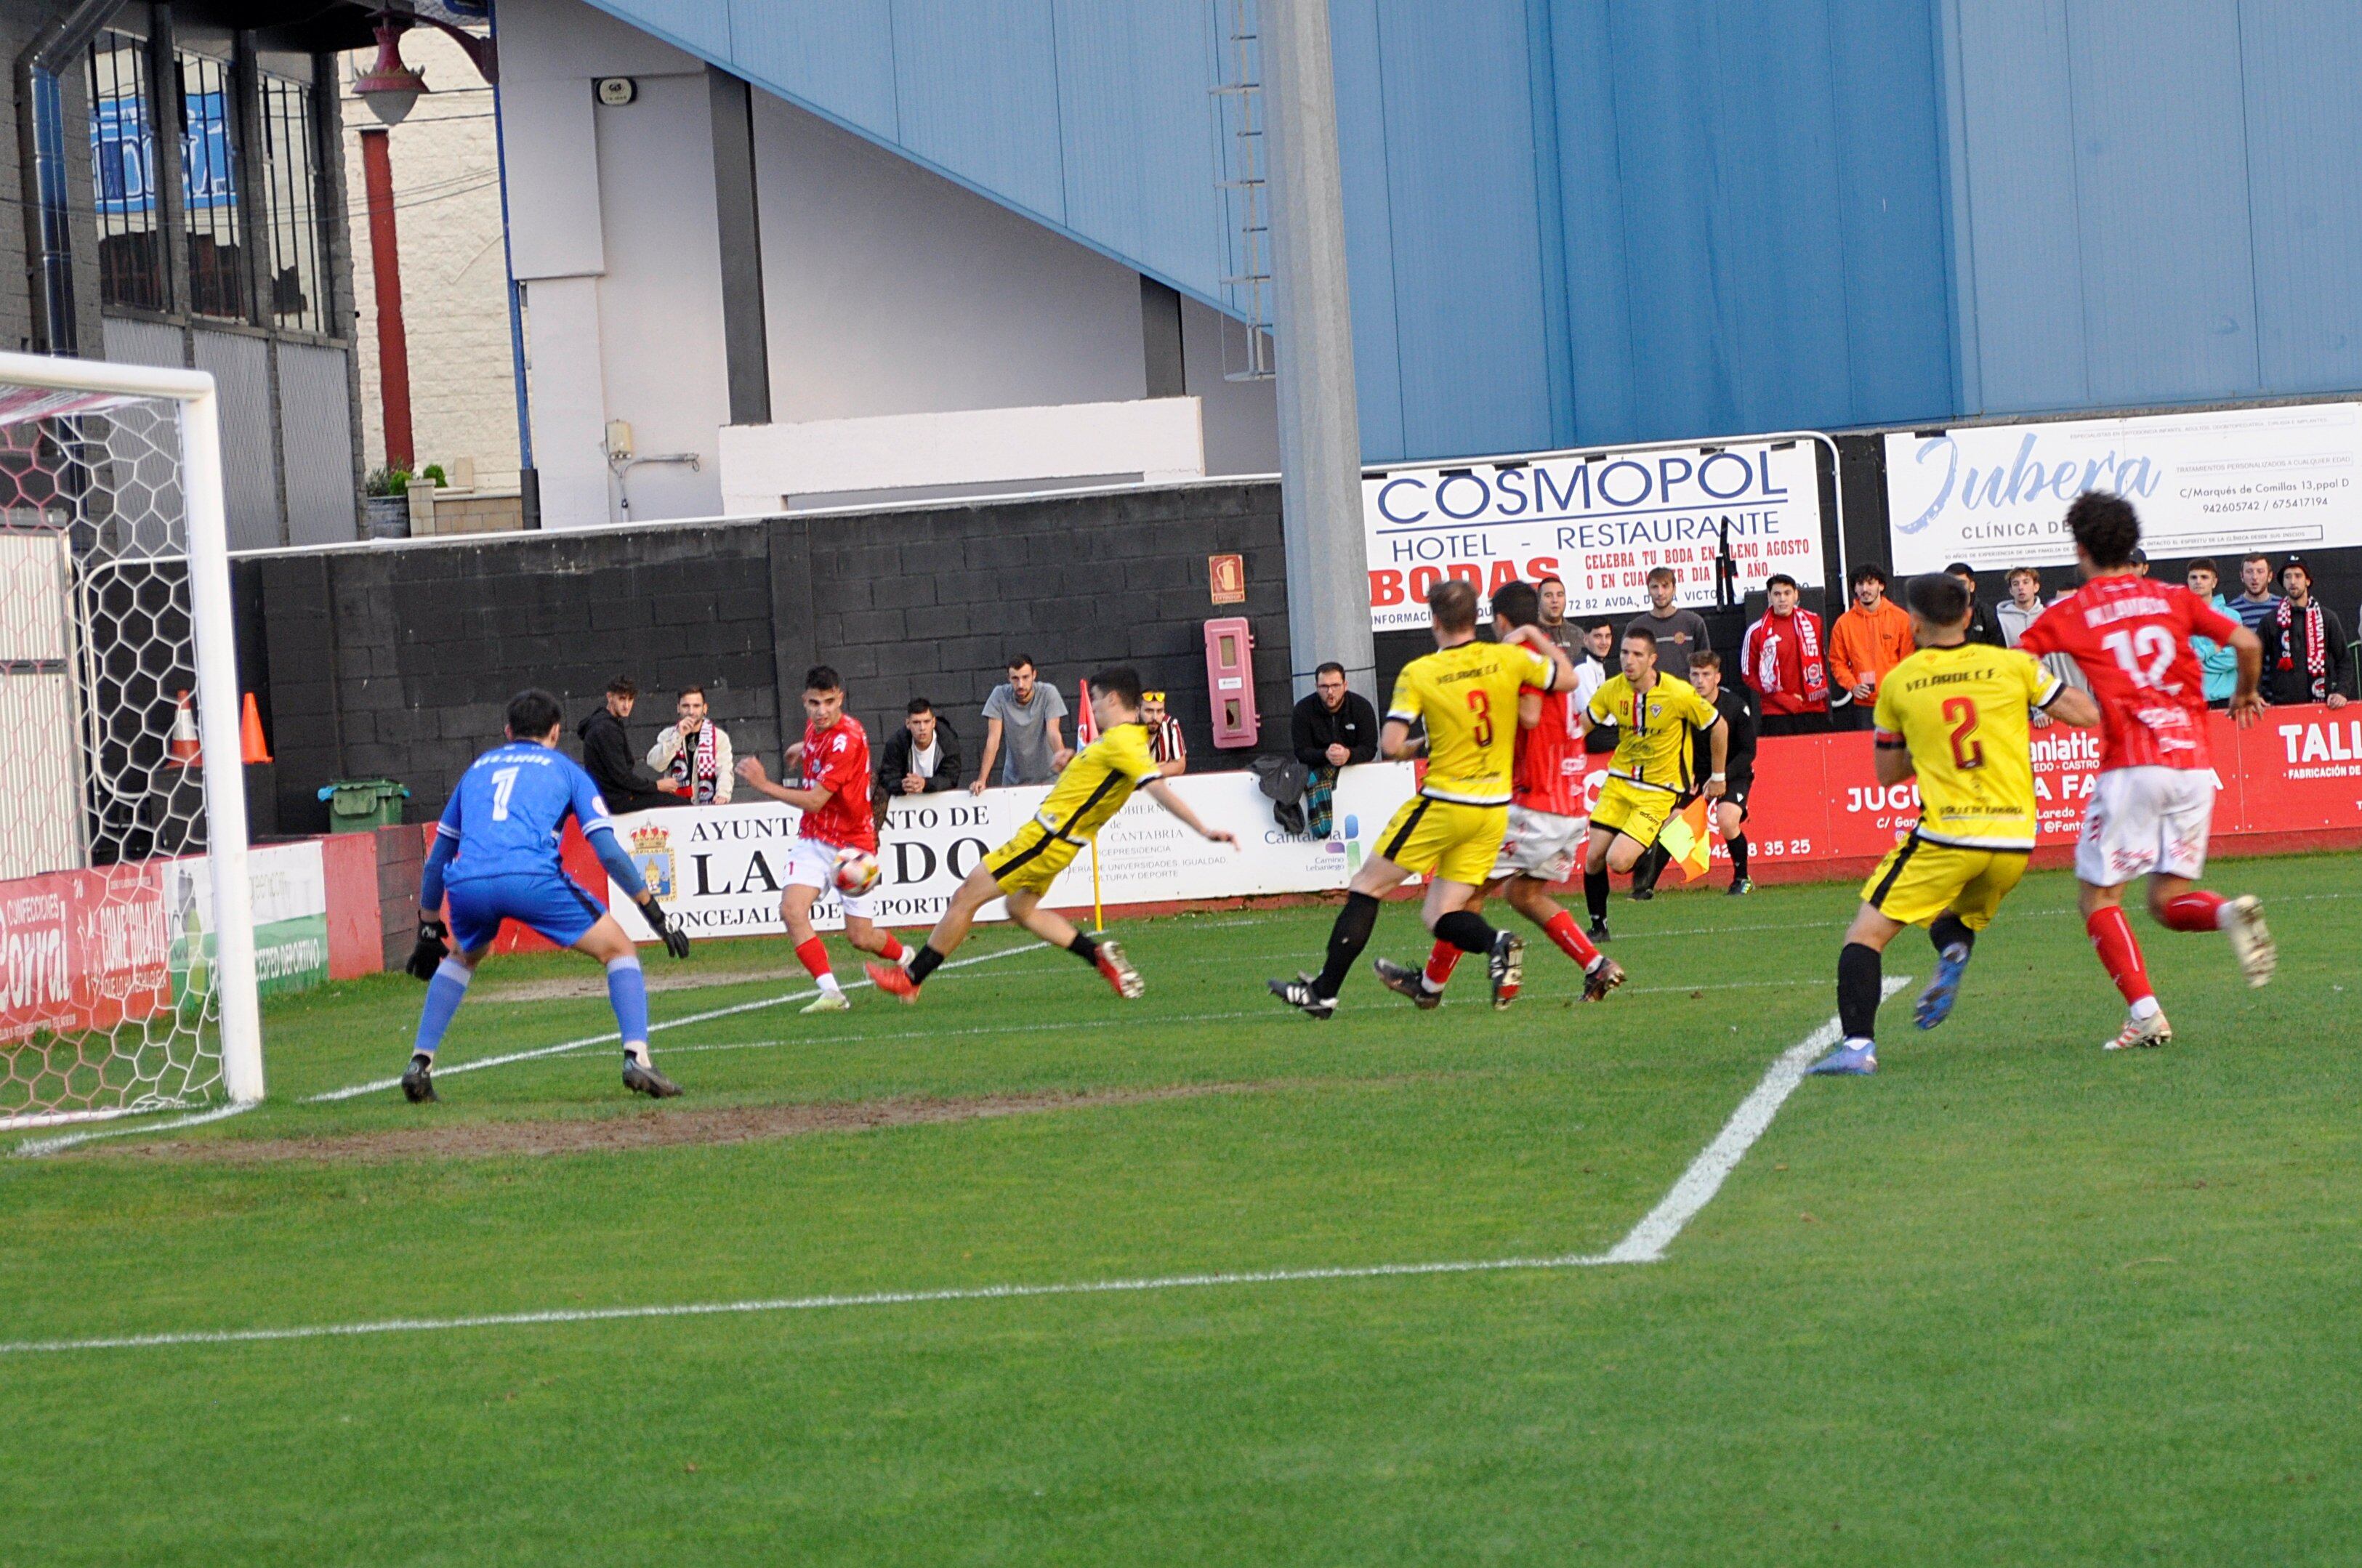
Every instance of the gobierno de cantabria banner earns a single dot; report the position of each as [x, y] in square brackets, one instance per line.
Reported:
[1598, 520]
[2220, 484]
[720, 868]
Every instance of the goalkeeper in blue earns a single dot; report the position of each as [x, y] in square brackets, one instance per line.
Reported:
[495, 855]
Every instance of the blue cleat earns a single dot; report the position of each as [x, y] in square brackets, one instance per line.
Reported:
[1936, 1001]
[1849, 1060]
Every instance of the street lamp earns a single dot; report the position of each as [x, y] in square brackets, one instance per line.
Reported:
[390, 86]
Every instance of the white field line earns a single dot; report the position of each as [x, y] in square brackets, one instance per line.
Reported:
[1645, 1243]
[1648, 1239]
[33, 1148]
[377, 1086]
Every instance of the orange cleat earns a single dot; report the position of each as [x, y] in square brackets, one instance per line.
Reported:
[894, 980]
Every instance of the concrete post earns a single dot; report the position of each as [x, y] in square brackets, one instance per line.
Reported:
[1319, 417]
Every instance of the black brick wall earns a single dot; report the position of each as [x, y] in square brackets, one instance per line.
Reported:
[396, 662]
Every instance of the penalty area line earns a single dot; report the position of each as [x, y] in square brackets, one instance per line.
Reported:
[1645, 1243]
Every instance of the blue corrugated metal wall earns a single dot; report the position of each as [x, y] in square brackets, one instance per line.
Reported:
[1599, 220]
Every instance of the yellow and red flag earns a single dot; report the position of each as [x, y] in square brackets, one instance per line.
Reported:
[1685, 838]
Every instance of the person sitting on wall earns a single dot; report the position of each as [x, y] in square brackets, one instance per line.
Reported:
[1333, 728]
[921, 758]
[608, 756]
[693, 754]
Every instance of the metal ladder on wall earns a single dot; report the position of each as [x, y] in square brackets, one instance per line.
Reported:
[1246, 355]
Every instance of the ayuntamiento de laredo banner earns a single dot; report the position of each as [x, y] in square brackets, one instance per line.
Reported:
[1597, 520]
[2206, 484]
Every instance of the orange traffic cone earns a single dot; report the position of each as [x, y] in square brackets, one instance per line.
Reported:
[182, 751]
[250, 733]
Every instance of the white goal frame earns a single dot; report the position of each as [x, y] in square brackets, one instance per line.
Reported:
[211, 625]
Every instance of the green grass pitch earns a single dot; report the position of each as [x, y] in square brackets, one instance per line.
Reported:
[2014, 1300]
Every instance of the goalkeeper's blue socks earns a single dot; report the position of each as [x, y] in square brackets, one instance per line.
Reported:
[627, 990]
[445, 992]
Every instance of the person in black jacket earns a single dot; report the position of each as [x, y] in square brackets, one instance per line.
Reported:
[1737, 765]
[1984, 626]
[921, 758]
[1333, 728]
[608, 756]
[2305, 655]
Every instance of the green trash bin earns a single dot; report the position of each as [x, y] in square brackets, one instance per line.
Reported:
[363, 805]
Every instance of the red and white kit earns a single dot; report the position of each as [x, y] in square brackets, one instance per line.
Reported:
[836, 759]
[1546, 815]
[2155, 802]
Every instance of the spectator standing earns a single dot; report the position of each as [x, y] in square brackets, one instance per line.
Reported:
[1165, 742]
[1738, 763]
[1594, 669]
[691, 757]
[1982, 628]
[1333, 728]
[921, 758]
[1871, 638]
[2218, 664]
[2023, 605]
[1021, 730]
[1678, 633]
[1566, 633]
[1784, 662]
[2256, 599]
[608, 756]
[2305, 656]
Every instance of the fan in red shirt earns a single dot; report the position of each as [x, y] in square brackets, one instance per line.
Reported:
[2154, 804]
[1782, 656]
[833, 797]
[1547, 827]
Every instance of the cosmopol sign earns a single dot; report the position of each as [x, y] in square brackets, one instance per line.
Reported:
[1597, 520]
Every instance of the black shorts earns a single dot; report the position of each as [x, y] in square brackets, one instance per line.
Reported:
[1736, 789]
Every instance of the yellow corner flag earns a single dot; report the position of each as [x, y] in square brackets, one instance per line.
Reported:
[1685, 838]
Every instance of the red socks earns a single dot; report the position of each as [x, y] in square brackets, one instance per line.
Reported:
[1569, 936]
[2195, 911]
[1440, 962]
[892, 952]
[2111, 937]
[813, 956]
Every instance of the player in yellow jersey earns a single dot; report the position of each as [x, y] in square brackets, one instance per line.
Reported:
[1093, 787]
[1956, 713]
[1655, 716]
[1466, 694]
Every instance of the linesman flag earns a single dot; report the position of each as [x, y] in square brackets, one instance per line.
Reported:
[1685, 838]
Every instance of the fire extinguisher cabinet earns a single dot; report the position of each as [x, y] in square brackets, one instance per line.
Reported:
[1230, 682]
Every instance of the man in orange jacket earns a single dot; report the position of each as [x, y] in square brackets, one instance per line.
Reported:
[1868, 639]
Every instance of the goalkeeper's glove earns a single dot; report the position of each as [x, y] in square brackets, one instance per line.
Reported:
[675, 940]
[432, 949]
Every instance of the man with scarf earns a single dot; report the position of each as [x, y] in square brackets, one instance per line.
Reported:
[692, 758]
[1784, 662]
[2305, 656]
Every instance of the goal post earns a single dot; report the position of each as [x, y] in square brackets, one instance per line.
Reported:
[120, 990]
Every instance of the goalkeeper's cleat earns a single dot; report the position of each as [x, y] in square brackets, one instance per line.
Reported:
[828, 1001]
[642, 1078]
[1118, 971]
[1405, 981]
[418, 1083]
[2142, 1033]
[893, 980]
[1936, 1001]
[1506, 964]
[1298, 994]
[1602, 976]
[1849, 1060]
[2251, 940]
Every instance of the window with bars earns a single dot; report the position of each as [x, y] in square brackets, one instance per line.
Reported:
[290, 147]
[209, 154]
[132, 271]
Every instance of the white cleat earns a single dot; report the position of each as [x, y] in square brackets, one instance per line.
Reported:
[2251, 940]
[828, 1001]
[2142, 1032]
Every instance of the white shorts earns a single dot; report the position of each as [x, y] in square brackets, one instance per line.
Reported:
[1541, 845]
[2144, 820]
[813, 865]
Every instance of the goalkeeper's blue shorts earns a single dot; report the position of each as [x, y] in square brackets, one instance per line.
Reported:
[554, 905]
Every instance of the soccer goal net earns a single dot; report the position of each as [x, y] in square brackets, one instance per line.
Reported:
[127, 951]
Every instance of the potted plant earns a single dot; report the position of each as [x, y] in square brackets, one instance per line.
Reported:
[386, 505]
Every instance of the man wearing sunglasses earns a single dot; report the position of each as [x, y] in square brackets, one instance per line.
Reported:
[1165, 742]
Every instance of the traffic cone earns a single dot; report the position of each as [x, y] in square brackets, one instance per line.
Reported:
[182, 751]
[250, 733]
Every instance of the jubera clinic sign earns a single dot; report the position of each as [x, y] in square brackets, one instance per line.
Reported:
[2206, 484]
[1597, 520]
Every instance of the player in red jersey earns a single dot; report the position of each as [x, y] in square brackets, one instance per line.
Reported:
[1546, 830]
[2155, 801]
[834, 799]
